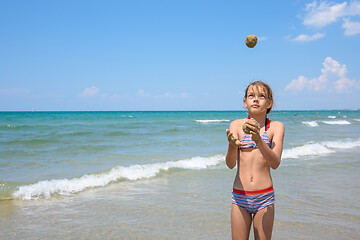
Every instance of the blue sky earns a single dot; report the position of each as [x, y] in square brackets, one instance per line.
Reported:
[177, 55]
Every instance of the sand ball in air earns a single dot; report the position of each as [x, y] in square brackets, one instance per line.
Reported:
[251, 41]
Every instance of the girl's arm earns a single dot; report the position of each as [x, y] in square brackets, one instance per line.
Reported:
[234, 144]
[231, 155]
[273, 155]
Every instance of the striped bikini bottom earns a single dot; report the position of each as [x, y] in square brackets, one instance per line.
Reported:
[253, 201]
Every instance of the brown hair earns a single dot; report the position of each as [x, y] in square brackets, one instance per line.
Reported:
[264, 86]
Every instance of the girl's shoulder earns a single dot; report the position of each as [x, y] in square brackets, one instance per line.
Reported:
[238, 121]
[236, 126]
[276, 126]
[276, 123]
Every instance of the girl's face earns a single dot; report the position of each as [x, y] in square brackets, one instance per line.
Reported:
[257, 100]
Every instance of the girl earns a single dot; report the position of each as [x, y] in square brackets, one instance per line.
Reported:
[254, 152]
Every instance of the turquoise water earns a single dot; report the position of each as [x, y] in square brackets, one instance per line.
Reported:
[64, 163]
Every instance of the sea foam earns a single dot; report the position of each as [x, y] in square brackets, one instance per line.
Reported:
[48, 188]
[8, 126]
[318, 149]
[337, 122]
[212, 120]
[311, 124]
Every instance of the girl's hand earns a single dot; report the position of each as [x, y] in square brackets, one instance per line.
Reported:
[232, 140]
[254, 127]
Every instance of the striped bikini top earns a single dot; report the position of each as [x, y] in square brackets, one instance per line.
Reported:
[250, 143]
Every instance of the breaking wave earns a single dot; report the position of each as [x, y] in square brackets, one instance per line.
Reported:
[212, 120]
[339, 122]
[311, 124]
[48, 188]
[320, 148]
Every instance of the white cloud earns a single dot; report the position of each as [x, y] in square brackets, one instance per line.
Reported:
[324, 13]
[345, 84]
[298, 84]
[308, 38]
[332, 66]
[351, 28]
[333, 77]
[320, 15]
[262, 38]
[94, 91]
[89, 92]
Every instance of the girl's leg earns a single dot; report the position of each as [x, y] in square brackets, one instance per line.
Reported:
[240, 223]
[263, 222]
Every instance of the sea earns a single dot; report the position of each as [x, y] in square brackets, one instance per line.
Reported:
[162, 175]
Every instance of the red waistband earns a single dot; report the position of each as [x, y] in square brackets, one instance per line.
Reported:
[266, 190]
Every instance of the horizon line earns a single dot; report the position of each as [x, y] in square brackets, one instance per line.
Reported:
[172, 110]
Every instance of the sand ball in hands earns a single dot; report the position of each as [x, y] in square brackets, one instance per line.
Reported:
[246, 129]
[251, 41]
